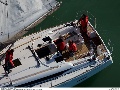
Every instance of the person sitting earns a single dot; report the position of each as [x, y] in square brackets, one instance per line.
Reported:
[72, 47]
[60, 44]
[8, 60]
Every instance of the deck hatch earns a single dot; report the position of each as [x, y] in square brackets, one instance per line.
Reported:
[17, 62]
[42, 52]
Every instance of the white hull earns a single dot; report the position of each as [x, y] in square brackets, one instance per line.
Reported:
[81, 78]
[36, 70]
[76, 77]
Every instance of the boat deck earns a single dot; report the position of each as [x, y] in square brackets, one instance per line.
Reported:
[41, 59]
[82, 52]
[84, 49]
[100, 57]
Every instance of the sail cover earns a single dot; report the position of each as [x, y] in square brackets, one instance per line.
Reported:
[15, 15]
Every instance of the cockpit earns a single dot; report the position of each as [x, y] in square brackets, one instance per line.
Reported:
[51, 49]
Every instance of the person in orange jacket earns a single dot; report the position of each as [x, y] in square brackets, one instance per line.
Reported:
[72, 47]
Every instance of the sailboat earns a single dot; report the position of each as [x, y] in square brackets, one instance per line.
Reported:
[39, 63]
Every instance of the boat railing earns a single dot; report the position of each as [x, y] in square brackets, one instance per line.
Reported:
[60, 77]
[74, 72]
[53, 81]
[93, 21]
[100, 38]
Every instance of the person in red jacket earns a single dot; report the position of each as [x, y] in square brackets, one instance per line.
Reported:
[9, 59]
[60, 44]
[72, 47]
[83, 22]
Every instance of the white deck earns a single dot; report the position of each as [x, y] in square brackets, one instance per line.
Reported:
[30, 70]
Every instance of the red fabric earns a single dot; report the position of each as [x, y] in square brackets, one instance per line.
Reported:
[86, 19]
[84, 24]
[9, 57]
[61, 46]
[73, 47]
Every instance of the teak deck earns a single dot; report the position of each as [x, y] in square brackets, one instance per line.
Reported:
[82, 51]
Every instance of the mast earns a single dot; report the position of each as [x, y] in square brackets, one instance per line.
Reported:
[7, 18]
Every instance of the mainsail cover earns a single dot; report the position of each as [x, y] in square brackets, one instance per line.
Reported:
[15, 15]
